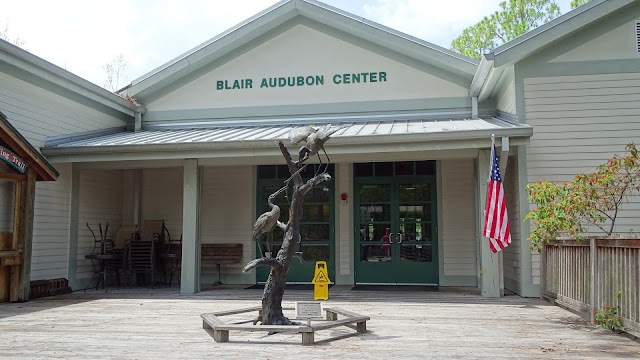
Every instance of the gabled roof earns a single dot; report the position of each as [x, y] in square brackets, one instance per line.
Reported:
[554, 30]
[284, 11]
[492, 64]
[49, 72]
[18, 144]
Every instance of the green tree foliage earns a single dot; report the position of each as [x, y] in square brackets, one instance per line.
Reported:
[576, 3]
[592, 199]
[515, 18]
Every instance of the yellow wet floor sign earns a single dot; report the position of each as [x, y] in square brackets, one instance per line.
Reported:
[321, 281]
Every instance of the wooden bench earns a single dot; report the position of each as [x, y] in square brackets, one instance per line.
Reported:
[212, 323]
[218, 254]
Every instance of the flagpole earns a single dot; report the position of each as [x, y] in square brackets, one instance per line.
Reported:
[491, 154]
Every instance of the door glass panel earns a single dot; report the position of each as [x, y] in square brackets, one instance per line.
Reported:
[318, 194]
[404, 168]
[316, 252]
[363, 169]
[319, 212]
[425, 168]
[375, 193]
[375, 244]
[375, 213]
[384, 169]
[314, 232]
[416, 253]
[415, 192]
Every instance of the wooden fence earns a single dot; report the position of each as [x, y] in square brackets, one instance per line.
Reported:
[590, 274]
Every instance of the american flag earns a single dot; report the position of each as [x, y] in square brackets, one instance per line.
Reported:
[496, 221]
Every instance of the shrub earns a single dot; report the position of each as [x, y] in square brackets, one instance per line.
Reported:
[589, 199]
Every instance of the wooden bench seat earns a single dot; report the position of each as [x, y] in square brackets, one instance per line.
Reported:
[212, 323]
[218, 254]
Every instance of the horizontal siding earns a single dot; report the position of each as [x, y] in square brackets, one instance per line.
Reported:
[162, 197]
[50, 254]
[458, 218]
[507, 99]
[38, 113]
[100, 202]
[580, 122]
[226, 217]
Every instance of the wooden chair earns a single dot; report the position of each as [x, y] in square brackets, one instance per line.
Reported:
[142, 260]
[171, 257]
[142, 250]
[121, 242]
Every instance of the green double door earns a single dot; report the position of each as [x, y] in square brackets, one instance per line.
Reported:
[396, 234]
[316, 230]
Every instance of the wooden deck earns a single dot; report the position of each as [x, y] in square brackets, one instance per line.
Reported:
[161, 324]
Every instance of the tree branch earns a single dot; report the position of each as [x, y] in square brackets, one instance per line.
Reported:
[273, 262]
[282, 225]
[314, 181]
[293, 169]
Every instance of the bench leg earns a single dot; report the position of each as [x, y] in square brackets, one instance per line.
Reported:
[218, 282]
[362, 327]
[307, 338]
[206, 325]
[221, 335]
[331, 316]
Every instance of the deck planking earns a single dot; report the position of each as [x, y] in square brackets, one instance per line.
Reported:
[160, 323]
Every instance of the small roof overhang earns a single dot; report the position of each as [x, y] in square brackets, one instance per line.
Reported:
[12, 138]
[493, 64]
[249, 141]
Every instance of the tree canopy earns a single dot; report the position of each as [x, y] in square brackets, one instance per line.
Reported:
[575, 3]
[515, 18]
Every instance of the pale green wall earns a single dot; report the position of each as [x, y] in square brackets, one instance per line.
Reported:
[583, 110]
[619, 43]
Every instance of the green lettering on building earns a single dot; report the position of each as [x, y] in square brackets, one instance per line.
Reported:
[303, 81]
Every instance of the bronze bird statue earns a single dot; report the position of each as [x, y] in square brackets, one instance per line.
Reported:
[267, 220]
[314, 141]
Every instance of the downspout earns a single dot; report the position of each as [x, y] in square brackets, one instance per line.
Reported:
[474, 107]
[138, 122]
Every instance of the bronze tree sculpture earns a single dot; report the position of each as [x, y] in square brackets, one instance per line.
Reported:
[271, 313]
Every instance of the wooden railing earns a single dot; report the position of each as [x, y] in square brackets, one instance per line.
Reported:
[590, 274]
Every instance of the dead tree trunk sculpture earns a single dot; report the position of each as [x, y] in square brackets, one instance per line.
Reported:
[271, 313]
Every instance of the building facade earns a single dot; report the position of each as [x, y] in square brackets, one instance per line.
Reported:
[409, 168]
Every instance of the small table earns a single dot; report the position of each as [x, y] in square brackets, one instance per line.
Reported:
[102, 267]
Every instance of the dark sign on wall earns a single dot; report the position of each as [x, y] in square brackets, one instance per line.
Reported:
[12, 159]
[309, 80]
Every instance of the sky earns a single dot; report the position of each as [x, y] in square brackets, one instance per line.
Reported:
[82, 36]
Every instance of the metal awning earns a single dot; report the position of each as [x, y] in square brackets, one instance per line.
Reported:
[219, 140]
